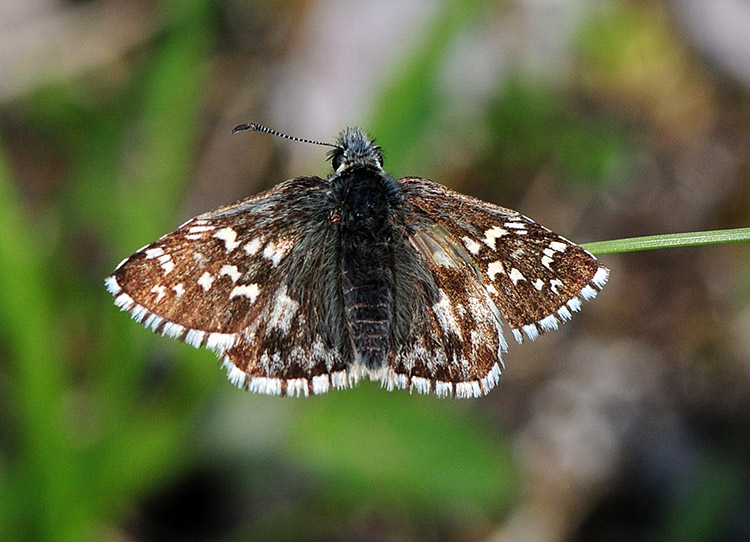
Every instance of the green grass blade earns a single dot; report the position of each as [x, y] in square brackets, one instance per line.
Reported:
[669, 240]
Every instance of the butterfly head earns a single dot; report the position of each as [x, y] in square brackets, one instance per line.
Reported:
[354, 148]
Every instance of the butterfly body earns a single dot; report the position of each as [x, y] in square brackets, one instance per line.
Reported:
[320, 282]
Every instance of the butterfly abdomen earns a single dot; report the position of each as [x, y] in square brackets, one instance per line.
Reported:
[367, 302]
[364, 204]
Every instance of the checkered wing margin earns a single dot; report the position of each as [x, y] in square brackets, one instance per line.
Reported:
[535, 277]
[236, 280]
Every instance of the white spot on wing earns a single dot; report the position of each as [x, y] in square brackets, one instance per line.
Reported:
[554, 284]
[206, 280]
[495, 268]
[518, 228]
[444, 313]
[283, 311]
[471, 245]
[200, 229]
[231, 271]
[160, 291]
[539, 284]
[557, 246]
[491, 235]
[179, 289]
[250, 291]
[167, 266]
[253, 246]
[229, 236]
[275, 251]
[152, 253]
[515, 275]
[166, 263]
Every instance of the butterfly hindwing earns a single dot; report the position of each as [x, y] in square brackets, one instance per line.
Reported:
[455, 344]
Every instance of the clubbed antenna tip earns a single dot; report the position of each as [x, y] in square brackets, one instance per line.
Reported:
[255, 127]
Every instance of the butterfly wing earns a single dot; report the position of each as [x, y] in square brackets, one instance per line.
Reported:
[534, 277]
[238, 280]
[453, 338]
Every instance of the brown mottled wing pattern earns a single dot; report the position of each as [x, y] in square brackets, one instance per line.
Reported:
[535, 277]
[455, 345]
[232, 280]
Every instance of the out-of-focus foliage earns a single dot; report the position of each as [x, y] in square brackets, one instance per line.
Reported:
[109, 432]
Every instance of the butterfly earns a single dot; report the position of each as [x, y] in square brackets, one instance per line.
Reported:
[318, 283]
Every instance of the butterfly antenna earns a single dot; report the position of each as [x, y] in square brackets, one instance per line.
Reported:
[255, 127]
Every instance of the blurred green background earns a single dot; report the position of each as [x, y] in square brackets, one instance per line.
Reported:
[599, 119]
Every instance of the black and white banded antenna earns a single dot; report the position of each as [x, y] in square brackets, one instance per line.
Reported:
[255, 127]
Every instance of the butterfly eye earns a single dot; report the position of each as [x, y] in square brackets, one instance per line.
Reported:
[337, 158]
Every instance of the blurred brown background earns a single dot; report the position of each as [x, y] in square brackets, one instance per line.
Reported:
[599, 119]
